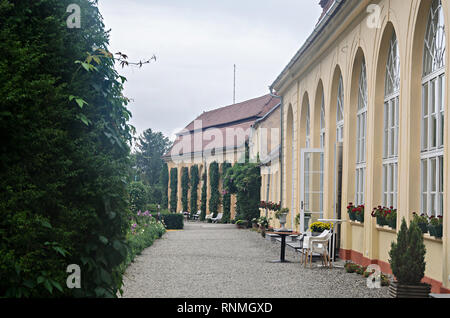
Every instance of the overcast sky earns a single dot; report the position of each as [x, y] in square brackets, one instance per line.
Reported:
[196, 43]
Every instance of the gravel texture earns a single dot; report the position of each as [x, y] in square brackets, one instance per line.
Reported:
[221, 261]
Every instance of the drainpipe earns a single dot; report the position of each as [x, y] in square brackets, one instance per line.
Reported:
[281, 143]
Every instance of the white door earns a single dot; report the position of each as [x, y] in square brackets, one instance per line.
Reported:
[311, 186]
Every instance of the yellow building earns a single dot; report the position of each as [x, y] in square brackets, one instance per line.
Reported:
[365, 120]
[218, 136]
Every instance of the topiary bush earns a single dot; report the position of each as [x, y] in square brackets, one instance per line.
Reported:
[164, 183]
[195, 180]
[226, 196]
[214, 200]
[173, 221]
[173, 189]
[407, 255]
[204, 197]
[185, 189]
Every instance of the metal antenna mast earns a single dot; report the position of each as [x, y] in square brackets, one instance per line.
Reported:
[234, 86]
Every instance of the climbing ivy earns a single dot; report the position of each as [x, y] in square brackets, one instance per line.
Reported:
[185, 189]
[194, 189]
[173, 189]
[204, 197]
[214, 178]
[244, 180]
[164, 183]
[226, 196]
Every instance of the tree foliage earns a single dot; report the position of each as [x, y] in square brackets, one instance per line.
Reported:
[204, 197]
[407, 255]
[195, 180]
[164, 184]
[185, 189]
[226, 198]
[151, 147]
[244, 180]
[214, 178]
[173, 190]
[64, 155]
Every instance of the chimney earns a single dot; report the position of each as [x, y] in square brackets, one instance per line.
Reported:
[325, 4]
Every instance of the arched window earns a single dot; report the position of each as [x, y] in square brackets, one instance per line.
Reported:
[308, 128]
[361, 129]
[340, 112]
[391, 125]
[433, 97]
[322, 123]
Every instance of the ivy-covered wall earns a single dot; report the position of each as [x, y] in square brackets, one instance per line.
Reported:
[203, 205]
[185, 189]
[173, 189]
[214, 178]
[226, 200]
[195, 180]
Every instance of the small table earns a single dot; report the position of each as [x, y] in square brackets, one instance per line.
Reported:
[333, 247]
[283, 236]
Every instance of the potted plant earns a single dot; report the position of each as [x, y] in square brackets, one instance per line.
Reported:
[435, 226]
[380, 214]
[391, 218]
[351, 212]
[317, 228]
[407, 260]
[421, 221]
[281, 216]
[359, 213]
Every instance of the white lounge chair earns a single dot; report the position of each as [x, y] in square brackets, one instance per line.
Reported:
[218, 218]
[197, 215]
[318, 244]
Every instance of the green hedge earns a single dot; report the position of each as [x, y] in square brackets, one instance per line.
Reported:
[173, 221]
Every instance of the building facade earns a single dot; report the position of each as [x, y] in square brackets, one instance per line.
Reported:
[365, 121]
[217, 136]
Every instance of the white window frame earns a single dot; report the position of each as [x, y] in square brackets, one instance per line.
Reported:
[340, 112]
[391, 126]
[361, 134]
[433, 108]
[322, 123]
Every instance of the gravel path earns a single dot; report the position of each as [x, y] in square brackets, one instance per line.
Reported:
[220, 261]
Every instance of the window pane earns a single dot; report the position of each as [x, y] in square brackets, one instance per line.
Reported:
[424, 180]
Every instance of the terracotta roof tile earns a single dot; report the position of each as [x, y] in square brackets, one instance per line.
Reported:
[239, 116]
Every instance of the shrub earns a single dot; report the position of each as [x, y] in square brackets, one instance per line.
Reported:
[138, 193]
[142, 234]
[244, 180]
[185, 189]
[407, 255]
[173, 189]
[164, 182]
[226, 196]
[64, 160]
[173, 221]
[195, 180]
[204, 197]
[214, 200]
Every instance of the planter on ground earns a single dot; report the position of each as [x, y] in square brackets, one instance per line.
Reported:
[397, 290]
[407, 260]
